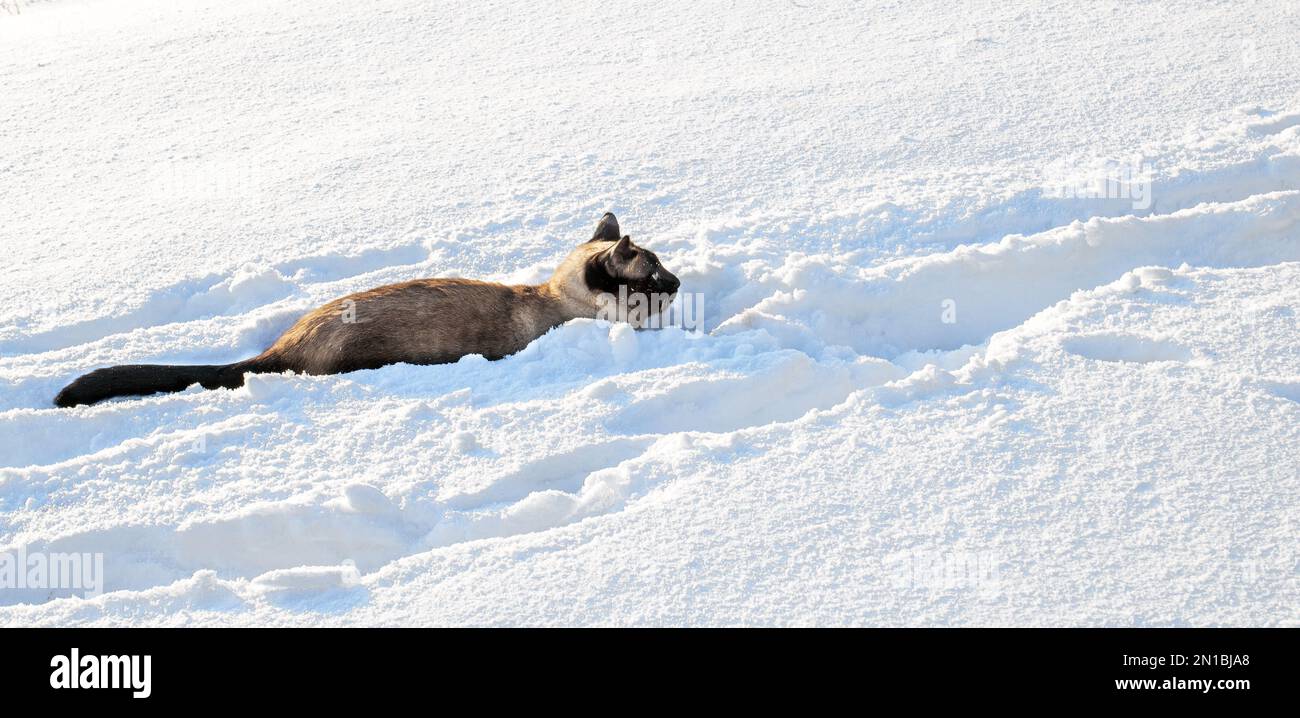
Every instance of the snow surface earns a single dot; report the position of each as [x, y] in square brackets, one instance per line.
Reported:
[932, 389]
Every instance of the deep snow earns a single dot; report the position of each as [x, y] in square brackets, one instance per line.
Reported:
[932, 389]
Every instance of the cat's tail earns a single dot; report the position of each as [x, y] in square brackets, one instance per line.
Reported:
[142, 379]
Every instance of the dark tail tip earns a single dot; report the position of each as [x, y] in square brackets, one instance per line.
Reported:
[67, 397]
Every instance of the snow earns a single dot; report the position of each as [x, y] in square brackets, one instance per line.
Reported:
[948, 374]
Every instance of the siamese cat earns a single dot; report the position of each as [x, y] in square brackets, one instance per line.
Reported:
[424, 321]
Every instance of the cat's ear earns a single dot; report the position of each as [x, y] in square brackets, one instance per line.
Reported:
[618, 259]
[606, 229]
[624, 250]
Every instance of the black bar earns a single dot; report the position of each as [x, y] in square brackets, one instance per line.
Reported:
[210, 667]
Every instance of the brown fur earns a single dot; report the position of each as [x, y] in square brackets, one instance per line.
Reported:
[424, 321]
